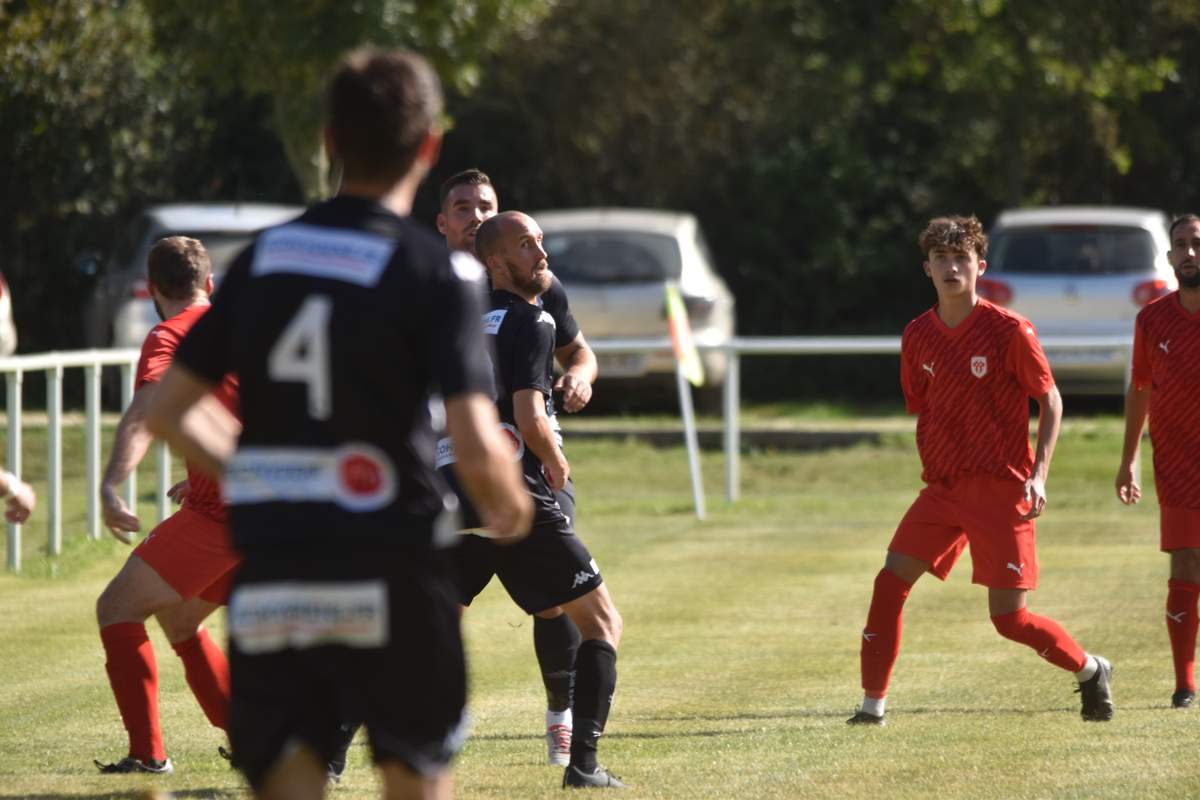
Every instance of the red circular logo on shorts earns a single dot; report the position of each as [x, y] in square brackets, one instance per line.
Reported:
[361, 475]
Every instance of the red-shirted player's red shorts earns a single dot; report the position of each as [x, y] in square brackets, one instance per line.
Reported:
[193, 553]
[1179, 527]
[981, 510]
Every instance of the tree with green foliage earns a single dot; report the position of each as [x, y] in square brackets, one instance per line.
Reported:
[284, 50]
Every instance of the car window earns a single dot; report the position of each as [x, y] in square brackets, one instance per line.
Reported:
[1072, 250]
[612, 256]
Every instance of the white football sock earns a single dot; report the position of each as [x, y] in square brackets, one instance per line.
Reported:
[1089, 669]
[874, 705]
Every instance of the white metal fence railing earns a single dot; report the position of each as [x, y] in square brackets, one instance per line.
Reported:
[15, 368]
[92, 361]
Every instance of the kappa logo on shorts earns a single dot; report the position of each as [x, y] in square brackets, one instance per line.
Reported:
[582, 577]
[869, 636]
[979, 366]
[1017, 568]
[1176, 617]
[1165, 346]
[928, 368]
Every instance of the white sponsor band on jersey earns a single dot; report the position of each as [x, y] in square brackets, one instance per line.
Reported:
[270, 617]
[319, 252]
[492, 321]
[445, 446]
[356, 476]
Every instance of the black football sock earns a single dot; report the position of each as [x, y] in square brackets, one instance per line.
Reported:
[345, 735]
[595, 681]
[556, 642]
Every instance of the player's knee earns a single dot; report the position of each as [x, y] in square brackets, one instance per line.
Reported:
[1185, 564]
[109, 605]
[1011, 625]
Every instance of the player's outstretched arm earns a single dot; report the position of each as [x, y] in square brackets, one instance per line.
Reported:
[579, 373]
[130, 444]
[1137, 406]
[529, 410]
[192, 421]
[1050, 410]
[483, 462]
[18, 495]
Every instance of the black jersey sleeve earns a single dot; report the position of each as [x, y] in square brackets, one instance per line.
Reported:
[532, 356]
[207, 350]
[554, 300]
[458, 355]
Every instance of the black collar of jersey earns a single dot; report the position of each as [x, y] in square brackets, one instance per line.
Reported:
[502, 298]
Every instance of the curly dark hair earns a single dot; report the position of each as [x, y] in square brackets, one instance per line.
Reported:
[954, 233]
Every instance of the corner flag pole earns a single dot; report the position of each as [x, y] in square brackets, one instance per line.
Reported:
[688, 369]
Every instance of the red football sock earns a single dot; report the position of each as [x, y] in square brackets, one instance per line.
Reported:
[1181, 627]
[133, 674]
[207, 673]
[881, 636]
[1044, 635]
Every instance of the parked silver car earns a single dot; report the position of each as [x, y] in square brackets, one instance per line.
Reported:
[615, 264]
[121, 312]
[1080, 270]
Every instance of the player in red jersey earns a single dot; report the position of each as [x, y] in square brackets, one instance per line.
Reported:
[968, 369]
[180, 573]
[1166, 376]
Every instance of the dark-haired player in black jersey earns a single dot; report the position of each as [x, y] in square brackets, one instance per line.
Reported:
[339, 326]
[552, 568]
[468, 198]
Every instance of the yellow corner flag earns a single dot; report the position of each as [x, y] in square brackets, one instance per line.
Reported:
[681, 337]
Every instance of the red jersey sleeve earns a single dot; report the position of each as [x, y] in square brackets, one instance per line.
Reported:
[157, 352]
[1142, 375]
[1027, 361]
[911, 380]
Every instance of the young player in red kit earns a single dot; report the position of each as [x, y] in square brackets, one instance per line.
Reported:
[968, 369]
[1166, 375]
[181, 571]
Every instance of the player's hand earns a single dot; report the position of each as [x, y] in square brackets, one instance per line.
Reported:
[20, 502]
[1128, 490]
[1035, 495]
[556, 473]
[575, 392]
[508, 521]
[117, 517]
[179, 492]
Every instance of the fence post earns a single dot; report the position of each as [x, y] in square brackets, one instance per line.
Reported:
[14, 381]
[731, 406]
[127, 377]
[91, 377]
[54, 459]
[164, 479]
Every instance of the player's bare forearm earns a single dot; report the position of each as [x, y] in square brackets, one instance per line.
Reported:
[131, 441]
[580, 369]
[1050, 411]
[1137, 406]
[485, 467]
[182, 413]
[529, 410]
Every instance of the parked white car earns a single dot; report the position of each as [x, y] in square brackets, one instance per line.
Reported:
[121, 312]
[1080, 270]
[615, 264]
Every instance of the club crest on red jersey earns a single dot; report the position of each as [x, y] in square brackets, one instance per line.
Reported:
[979, 366]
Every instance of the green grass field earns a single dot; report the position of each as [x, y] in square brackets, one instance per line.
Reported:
[740, 657]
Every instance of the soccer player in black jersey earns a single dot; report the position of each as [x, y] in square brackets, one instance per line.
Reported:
[339, 326]
[468, 198]
[551, 568]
